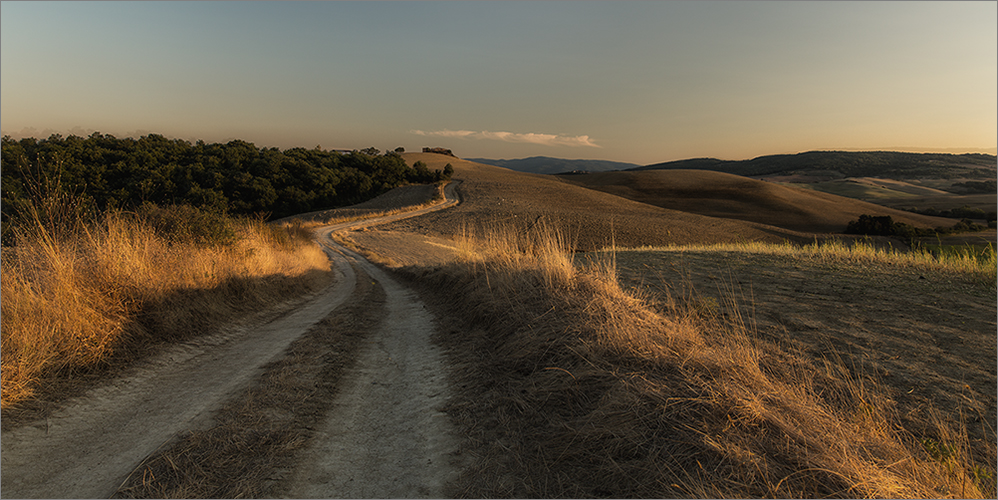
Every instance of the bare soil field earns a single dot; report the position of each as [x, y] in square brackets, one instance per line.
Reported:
[718, 194]
[928, 337]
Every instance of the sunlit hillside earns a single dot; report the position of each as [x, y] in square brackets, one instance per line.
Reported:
[718, 194]
[592, 219]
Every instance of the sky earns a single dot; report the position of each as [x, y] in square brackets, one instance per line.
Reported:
[641, 82]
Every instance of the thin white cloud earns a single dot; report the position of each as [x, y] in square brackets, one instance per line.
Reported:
[532, 138]
[445, 133]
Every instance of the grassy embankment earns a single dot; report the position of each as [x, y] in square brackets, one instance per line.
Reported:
[574, 387]
[82, 294]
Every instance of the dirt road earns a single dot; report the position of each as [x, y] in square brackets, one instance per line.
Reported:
[87, 449]
[385, 436]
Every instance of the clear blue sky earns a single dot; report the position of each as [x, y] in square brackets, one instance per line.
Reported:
[642, 82]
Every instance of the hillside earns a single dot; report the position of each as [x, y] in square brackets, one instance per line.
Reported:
[827, 165]
[718, 194]
[591, 218]
[548, 165]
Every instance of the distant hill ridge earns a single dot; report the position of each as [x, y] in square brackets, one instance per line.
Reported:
[548, 165]
[840, 164]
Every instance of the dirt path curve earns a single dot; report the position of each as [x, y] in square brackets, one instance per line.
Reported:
[86, 449]
[386, 436]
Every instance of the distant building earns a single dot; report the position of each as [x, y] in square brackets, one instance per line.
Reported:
[439, 151]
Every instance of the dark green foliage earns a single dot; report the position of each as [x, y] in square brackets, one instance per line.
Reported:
[236, 177]
[47, 206]
[964, 212]
[186, 224]
[885, 226]
[872, 226]
[976, 187]
[421, 169]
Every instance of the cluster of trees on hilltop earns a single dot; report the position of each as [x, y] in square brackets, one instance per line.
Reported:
[236, 177]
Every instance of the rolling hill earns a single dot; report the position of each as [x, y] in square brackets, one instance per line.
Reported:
[548, 165]
[828, 165]
[593, 218]
[718, 194]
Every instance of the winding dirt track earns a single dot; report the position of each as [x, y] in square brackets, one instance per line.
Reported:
[385, 436]
[88, 448]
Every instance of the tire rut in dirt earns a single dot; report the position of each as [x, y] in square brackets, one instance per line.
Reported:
[257, 436]
[87, 448]
[387, 436]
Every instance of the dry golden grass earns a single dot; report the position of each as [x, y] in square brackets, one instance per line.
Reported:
[978, 264]
[75, 293]
[577, 388]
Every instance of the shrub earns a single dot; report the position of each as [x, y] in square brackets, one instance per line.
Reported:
[872, 226]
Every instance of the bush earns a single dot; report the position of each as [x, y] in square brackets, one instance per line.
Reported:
[872, 226]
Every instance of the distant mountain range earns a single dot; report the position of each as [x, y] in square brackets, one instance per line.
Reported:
[548, 165]
[841, 164]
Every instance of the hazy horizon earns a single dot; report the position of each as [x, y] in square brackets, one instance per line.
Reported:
[637, 82]
[30, 132]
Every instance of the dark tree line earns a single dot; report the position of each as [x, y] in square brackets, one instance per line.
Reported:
[236, 177]
[964, 212]
[886, 226]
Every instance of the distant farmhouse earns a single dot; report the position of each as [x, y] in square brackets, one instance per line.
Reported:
[439, 151]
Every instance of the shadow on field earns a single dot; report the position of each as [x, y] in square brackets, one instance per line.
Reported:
[175, 316]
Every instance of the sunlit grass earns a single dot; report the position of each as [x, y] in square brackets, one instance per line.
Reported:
[730, 416]
[69, 296]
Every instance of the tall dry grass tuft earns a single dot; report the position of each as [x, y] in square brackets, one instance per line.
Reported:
[578, 388]
[77, 292]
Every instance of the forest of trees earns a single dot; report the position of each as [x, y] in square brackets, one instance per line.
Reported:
[236, 177]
